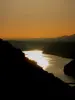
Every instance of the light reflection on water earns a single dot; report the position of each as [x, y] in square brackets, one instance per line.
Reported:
[38, 57]
[52, 64]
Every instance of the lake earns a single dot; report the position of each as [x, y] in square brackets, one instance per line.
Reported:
[51, 63]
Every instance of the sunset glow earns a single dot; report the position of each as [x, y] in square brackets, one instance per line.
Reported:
[21, 19]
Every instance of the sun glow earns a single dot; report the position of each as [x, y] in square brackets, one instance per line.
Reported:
[38, 57]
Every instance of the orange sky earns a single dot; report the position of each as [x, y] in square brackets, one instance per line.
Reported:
[36, 18]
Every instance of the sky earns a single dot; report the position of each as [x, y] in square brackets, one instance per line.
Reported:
[36, 18]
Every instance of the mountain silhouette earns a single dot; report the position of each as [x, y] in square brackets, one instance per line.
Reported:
[66, 38]
[62, 46]
[69, 69]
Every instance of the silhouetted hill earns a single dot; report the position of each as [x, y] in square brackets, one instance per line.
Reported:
[21, 77]
[66, 38]
[64, 49]
[62, 46]
[69, 69]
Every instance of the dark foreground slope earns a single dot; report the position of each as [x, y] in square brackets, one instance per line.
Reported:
[21, 77]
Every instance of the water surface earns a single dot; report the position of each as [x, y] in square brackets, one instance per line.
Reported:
[52, 64]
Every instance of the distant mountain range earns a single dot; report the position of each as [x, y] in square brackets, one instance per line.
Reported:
[61, 46]
[65, 38]
[70, 38]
